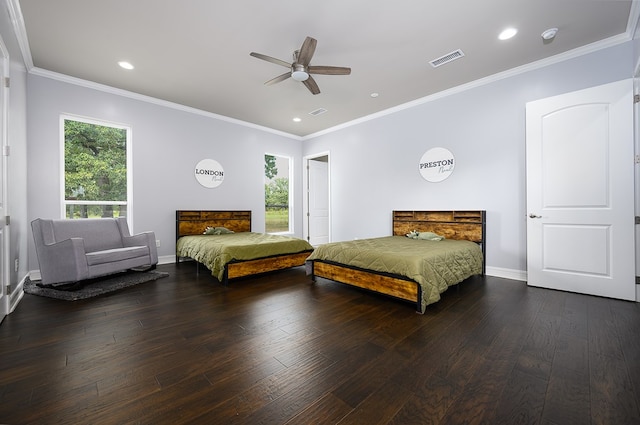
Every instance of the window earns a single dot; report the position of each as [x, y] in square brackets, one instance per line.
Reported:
[277, 193]
[96, 176]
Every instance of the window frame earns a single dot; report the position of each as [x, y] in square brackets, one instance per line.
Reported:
[128, 131]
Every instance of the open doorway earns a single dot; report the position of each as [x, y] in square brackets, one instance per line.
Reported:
[317, 208]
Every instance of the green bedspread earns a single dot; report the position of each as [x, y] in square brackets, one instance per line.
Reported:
[215, 251]
[435, 265]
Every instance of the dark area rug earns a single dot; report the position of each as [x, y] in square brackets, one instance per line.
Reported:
[92, 287]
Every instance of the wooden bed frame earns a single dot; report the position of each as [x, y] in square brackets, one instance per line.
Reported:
[194, 222]
[461, 225]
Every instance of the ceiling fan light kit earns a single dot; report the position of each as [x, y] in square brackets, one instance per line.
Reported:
[300, 70]
[299, 75]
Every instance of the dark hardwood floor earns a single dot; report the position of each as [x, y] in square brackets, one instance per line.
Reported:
[280, 350]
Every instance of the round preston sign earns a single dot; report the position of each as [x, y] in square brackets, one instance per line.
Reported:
[209, 173]
[436, 164]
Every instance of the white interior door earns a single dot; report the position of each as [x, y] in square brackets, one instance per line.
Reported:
[318, 200]
[580, 197]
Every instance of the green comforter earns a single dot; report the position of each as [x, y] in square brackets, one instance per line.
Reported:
[215, 251]
[435, 265]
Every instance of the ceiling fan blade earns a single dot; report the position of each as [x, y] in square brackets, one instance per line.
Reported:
[329, 70]
[278, 79]
[311, 84]
[306, 51]
[270, 59]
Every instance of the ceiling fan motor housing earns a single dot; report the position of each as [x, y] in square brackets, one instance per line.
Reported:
[299, 72]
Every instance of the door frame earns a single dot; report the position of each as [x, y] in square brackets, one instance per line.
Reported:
[4, 144]
[636, 149]
[305, 185]
[636, 169]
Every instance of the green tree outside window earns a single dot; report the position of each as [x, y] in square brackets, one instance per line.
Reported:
[95, 161]
[276, 194]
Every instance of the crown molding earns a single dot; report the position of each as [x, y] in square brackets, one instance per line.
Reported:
[149, 99]
[561, 57]
[15, 13]
[21, 34]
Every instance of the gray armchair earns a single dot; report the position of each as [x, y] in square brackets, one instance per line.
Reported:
[74, 250]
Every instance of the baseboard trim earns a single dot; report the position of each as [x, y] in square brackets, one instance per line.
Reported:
[16, 295]
[167, 259]
[512, 274]
[522, 276]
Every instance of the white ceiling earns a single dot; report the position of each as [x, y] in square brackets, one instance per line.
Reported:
[196, 52]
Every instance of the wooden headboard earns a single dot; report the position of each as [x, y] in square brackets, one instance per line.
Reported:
[193, 222]
[467, 225]
[464, 225]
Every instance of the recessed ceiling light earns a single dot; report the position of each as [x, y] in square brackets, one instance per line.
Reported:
[125, 65]
[507, 33]
[375, 94]
[297, 119]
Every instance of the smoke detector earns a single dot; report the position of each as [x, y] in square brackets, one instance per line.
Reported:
[549, 34]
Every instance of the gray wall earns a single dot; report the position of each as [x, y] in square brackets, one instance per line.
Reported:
[17, 160]
[374, 165]
[167, 144]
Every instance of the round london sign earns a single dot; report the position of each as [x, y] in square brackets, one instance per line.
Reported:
[209, 173]
[436, 164]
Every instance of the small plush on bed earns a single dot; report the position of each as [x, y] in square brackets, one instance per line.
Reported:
[428, 236]
[217, 231]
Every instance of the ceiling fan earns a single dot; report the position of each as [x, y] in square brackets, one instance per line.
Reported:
[299, 69]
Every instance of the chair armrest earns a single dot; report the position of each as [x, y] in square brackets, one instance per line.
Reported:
[147, 239]
[63, 261]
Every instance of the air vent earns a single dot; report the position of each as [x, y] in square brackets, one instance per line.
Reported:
[449, 57]
[318, 111]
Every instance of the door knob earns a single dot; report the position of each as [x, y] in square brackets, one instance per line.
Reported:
[532, 215]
